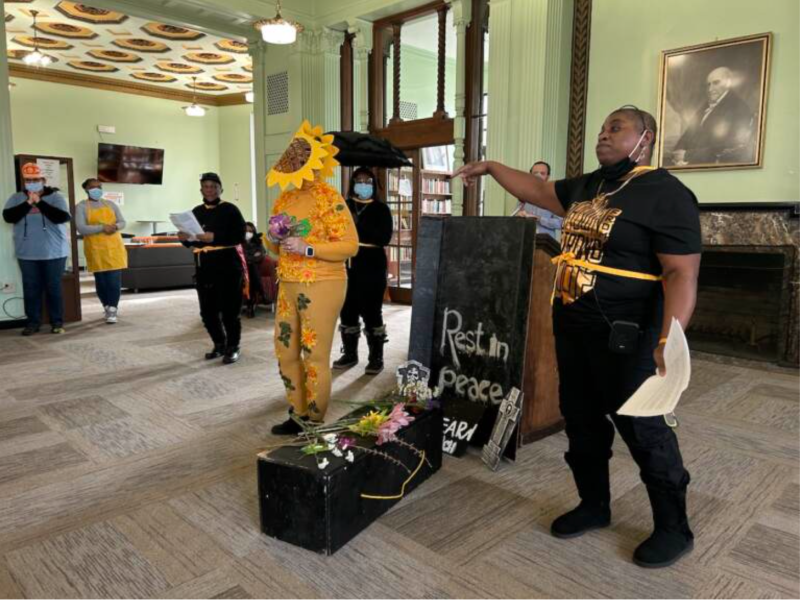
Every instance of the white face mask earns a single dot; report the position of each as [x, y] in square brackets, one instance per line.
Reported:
[248, 236]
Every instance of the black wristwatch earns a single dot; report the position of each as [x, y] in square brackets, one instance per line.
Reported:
[310, 251]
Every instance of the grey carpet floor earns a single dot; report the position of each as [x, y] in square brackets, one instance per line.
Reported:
[127, 469]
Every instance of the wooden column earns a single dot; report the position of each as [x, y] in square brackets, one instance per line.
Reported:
[346, 82]
[396, 27]
[474, 96]
[579, 86]
[440, 111]
[347, 96]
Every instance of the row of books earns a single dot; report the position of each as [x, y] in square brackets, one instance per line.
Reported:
[435, 186]
[437, 207]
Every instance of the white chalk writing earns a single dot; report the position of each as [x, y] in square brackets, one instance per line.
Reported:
[455, 342]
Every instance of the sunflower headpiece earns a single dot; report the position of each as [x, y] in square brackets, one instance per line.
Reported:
[309, 151]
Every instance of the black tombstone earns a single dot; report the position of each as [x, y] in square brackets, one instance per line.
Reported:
[469, 317]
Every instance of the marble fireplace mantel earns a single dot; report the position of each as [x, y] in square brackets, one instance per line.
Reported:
[760, 226]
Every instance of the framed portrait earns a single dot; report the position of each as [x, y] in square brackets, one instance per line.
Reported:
[713, 101]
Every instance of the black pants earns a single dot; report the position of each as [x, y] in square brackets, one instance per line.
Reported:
[256, 284]
[364, 299]
[594, 383]
[220, 294]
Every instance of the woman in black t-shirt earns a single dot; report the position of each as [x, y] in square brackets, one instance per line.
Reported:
[366, 274]
[629, 264]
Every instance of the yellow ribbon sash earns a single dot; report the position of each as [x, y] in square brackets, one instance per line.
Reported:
[403, 488]
[569, 259]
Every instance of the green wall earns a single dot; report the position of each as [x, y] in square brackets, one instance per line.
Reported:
[61, 120]
[626, 43]
[234, 156]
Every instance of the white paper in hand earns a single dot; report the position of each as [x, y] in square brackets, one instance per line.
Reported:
[659, 395]
[187, 223]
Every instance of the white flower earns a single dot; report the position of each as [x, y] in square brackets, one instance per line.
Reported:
[325, 462]
[350, 457]
[330, 438]
[437, 392]
[336, 452]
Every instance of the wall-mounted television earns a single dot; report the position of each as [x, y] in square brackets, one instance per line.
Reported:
[129, 164]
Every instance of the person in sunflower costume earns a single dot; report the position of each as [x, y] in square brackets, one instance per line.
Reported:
[312, 232]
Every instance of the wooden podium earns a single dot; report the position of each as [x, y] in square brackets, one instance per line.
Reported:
[540, 413]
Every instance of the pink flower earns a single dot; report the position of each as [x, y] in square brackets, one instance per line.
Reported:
[346, 442]
[398, 419]
[280, 226]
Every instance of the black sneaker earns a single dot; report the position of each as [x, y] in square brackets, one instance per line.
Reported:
[58, 329]
[662, 549]
[30, 330]
[580, 520]
[288, 427]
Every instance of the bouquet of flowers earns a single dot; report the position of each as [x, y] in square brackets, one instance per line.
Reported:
[386, 416]
[283, 226]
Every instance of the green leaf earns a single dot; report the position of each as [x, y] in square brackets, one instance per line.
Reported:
[314, 449]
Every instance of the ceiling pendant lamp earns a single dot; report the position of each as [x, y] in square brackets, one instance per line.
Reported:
[278, 30]
[194, 110]
[36, 58]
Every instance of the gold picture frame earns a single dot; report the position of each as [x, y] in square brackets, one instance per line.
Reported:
[713, 104]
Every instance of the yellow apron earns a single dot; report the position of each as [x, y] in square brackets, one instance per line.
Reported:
[103, 252]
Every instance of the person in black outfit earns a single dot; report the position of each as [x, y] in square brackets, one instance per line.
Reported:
[366, 274]
[219, 263]
[630, 259]
[254, 252]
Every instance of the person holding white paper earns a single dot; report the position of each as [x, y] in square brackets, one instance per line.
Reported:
[187, 223]
[221, 272]
[630, 258]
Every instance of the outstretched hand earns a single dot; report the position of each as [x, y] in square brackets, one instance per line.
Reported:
[470, 172]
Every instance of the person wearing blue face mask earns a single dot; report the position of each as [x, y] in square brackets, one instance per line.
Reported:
[100, 222]
[39, 215]
[366, 275]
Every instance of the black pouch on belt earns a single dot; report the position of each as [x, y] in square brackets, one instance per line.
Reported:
[624, 337]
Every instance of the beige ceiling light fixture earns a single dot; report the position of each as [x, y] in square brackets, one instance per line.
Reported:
[278, 30]
[194, 110]
[36, 58]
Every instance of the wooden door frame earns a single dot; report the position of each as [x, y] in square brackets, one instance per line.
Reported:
[473, 106]
[72, 279]
[347, 97]
[400, 295]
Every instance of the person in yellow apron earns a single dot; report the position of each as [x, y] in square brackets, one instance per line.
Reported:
[100, 223]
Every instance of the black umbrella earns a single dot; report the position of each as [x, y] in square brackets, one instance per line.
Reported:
[364, 150]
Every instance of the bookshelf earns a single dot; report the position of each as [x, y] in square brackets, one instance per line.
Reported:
[400, 197]
[423, 189]
[435, 194]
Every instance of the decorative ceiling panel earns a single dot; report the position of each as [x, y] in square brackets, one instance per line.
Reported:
[89, 14]
[115, 56]
[80, 37]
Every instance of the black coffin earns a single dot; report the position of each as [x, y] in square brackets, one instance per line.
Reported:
[322, 510]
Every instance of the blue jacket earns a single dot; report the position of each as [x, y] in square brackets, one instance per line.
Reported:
[40, 232]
